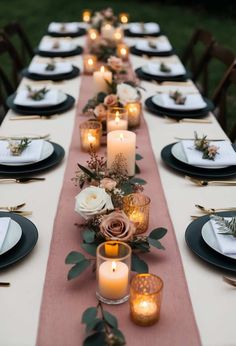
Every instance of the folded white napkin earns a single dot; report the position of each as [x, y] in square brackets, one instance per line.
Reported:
[226, 243]
[65, 46]
[52, 98]
[67, 27]
[150, 28]
[177, 69]
[40, 68]
[163, 45]
[4, 226]
[30, 154]
[226, 156]
[193, 102]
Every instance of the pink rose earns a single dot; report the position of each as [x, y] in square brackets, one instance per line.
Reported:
[108, 184]
[100, 111]
[117, 226]
[115, 63]
[110, 100]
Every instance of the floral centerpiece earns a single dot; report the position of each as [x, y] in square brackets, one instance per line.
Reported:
[103, 17]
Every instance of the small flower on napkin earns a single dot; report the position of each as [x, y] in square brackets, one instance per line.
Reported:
[202, 144]
[50, 66]
[17, 147]
[164, 68]
[178, 97]
[36, 95]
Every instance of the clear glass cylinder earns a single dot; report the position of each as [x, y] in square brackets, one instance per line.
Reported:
[145, 299]
[117, 119]
[134, 109]
[90, 135]
[136, 206]
[113, 272]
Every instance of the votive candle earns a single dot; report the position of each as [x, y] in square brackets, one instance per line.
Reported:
[86, 15]
[134, 113]
[124, 18]
[90, 62]
[93, 35]
[101, 80]
[90, 135]
[117, 119]
[123, 51]
[118, 35]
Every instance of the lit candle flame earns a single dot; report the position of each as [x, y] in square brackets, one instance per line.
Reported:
[121, 137]
[123, 51]
[102, 69]
[113, 266]
[124, 19]
[117, 118]
[90, 62]
[91, 138]
[93, 35]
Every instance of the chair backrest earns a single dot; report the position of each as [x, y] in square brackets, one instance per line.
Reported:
[15, 30]
[199, 44]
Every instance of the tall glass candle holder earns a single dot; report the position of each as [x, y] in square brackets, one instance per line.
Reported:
[124, 18]
[93, 36]
[136, 207]
[90, 135]
[90, 63]
[145, 299]
[86, 16]
[123, 51]
[117, 119]
[134, 109]
[113, 271]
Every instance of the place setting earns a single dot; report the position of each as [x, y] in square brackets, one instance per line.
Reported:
[58, 48]
[44, 101]
[202, 158]
[71, 29]
[142, 29]
[26, 156]
[18, 237]
[160, 46]
[51, 70]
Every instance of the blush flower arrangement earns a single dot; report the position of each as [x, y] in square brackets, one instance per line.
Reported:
[209, 152]
[102, 17]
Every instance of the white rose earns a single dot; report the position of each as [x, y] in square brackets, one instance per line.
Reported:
[92, 201]
[126, 93]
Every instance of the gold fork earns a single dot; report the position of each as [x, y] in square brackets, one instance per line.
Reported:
[188, 120]
[229, 281]
[13, 208]
[199, 182]
[213, 210]
[32, 117]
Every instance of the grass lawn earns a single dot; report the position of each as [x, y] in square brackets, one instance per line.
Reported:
[178, 22]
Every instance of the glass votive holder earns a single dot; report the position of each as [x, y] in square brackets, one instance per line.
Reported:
[123, 51]
[93, 36]
[113, 272]
[145, 299]
[136, 207]
[117, 119]
[90, 63]
[124, 18]
[134, 109]
[86, 16]
[90, 135]
[118, 35]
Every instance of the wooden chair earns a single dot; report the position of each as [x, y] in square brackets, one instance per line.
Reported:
[199, 44]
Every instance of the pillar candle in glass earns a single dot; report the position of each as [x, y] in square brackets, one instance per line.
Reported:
[118, 35]
[123, 51]
[122, 143]
[117, 119]
[145, 299]
[107, 31]
[136, 207]
[100, 79]
[113, 271]
[90, 62]
[124, 18]
[134, 112]
[86, 16]
[90, 135]
[93, 36]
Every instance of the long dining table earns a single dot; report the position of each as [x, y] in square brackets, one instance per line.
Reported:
[212, 300]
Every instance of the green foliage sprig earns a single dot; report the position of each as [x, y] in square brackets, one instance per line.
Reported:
[228, 227]
[209, 152]
[37, 95]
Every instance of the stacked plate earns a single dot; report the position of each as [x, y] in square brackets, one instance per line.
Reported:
[54, 102]
[202, 240]
[156, 47]
[19, 238]
[72, 29]
[142, 29]
[58, 48]
[42, 71]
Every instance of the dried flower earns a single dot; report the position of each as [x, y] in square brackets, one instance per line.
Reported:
[36, 95]
[178, 97]
[17, 147]
[202, 144]
[108, 184]
[100, 111]
[115, 63]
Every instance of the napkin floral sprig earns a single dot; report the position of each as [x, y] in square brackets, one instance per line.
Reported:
[178, 97]
[227, 227]
[17, 147]
[203, 144]
[164, 68]
[37, 95]
[50, 66]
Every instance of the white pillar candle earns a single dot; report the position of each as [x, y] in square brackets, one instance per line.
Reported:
[100, 79]
[117, 123]
[122, 142]
[107, 31]
[113, 279]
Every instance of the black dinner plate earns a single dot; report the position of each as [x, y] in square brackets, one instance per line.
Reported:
[206, 173]
[54, 77]
[26, 243]
[77, 51]
[146, 76]
[57, 109]
[34, 168]
[129, 33]
[161, 111]
[80, 32]
[140, 52]
[195, 242]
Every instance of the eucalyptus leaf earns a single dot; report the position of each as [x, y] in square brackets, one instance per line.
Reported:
[110, 319]
[138, 265]
[96, 339]
[87, 171]
[137, 169]
[126, 187]
[74, 257]
[119, 335]
[89, 315]
[156, 243]
[90, 249]
[158, 233]
[94, 325]
[138, 181]
[101, 96]
[78, 268]
[138, 157]
[88, 236]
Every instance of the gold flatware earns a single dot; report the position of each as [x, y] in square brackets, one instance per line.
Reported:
[13, 208]
[20, 180]
[188, 120]
[210, 139]
[32, 117]
[22, 137]
[188, 83]
[229, 281]
[5, 284]
[199, 182]
[213, 210]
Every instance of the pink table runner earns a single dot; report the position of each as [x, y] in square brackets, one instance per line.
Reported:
[63, 302]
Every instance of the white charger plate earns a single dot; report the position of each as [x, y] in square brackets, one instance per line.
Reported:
[160, 73]
[47, 151]
[188, 106]
[209, 237]
[61, 97]
[178, 152]
[13, 235]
